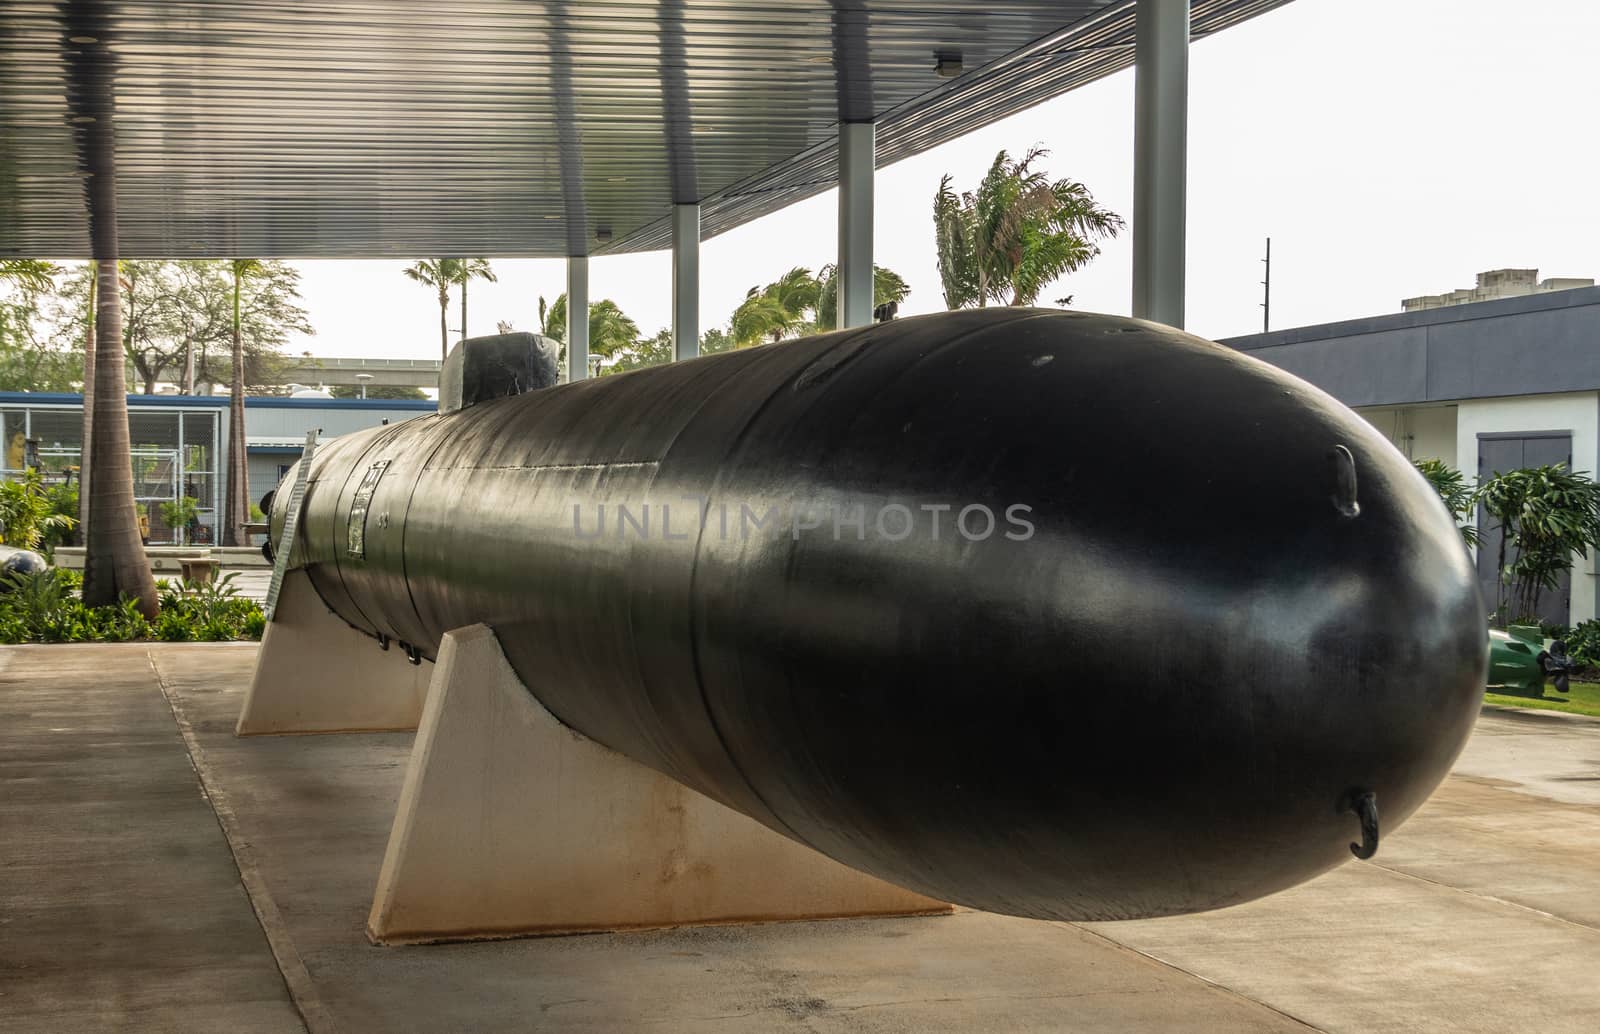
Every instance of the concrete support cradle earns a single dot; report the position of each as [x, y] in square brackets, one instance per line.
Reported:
[511, 823]
[317, 674]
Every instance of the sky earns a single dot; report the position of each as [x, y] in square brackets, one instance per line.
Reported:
[1390, 148]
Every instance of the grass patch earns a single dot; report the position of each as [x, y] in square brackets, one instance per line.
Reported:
[1583, 698]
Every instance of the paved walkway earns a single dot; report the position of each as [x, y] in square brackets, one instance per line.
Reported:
[121, 904]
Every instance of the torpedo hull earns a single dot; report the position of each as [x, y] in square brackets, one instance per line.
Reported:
[1210, 606]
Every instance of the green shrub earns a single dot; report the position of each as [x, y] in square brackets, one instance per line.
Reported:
[37, 600]
[1453, 491]
[173, 627]
[1550, 630]
[63, 501]
[1583, 643]
[181, 515]
[28, 514]
[46, 607]
[1546, 514]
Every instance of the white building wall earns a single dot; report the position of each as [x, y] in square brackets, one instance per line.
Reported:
[1577, 413]
[1419, 432]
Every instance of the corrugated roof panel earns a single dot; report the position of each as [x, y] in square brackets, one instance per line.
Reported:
[499, 127]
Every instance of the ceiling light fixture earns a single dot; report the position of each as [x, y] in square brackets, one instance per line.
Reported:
[947, 63]
[83, 40]
[602, 233]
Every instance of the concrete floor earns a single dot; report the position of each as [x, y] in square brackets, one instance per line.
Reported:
[123, 905]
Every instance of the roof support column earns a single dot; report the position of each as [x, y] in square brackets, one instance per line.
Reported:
[857, 146]
[1161, 159]
[685, 281]
[577, 317]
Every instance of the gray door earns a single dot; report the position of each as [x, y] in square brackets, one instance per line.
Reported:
[1498, 454]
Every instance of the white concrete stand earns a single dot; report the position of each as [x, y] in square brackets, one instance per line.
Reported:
[511, 823]
[317, 674]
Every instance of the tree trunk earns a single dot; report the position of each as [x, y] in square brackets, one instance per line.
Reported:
[88, 412]
[444, 332]
[1501, 617]
[236, 505]
[115, 564]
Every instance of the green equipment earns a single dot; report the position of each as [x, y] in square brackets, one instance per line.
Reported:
[1521, 658]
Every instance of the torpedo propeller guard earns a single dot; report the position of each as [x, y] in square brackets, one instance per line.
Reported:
[768, 574]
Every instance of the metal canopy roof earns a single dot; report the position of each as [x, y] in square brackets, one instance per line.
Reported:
[314, 128]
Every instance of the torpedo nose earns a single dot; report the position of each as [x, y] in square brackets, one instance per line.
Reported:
[1399, 657]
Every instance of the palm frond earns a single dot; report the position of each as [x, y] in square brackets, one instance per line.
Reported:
[1016, 233]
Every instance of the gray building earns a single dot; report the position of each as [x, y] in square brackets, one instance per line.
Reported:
[1485, 386]
[180, 442]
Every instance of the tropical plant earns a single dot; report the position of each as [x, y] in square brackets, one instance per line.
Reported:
[64, 502]
[33, 274]
[715, 340]
[28, 513]
[1583, 642]
[35, 599]
[180, 515]
[236, 502]
[780, 309]
[1455, 493]
[115, 564]
[643, 352]
[1015, 234]
[438, 274]
[887, 286]
[45, 606]
[611, 331]
[1545, 515]
[28, 362]
[467, 270]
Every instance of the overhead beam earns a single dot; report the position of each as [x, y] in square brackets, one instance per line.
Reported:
[1161, 162]
[577, 317]
[857, 146]
[685, 281]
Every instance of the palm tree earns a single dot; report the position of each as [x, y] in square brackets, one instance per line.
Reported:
[437, 273]
[610, 329]
[236, 506]
[88, 408]
[1016, 233]
[887, 286]
[759, 317]
[777, 310]
[115, 564]
[471, 269]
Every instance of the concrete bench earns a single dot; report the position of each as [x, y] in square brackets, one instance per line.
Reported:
[199, 570]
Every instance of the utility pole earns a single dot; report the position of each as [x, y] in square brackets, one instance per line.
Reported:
[1266, 294]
